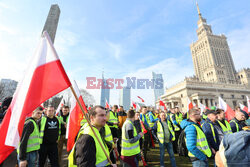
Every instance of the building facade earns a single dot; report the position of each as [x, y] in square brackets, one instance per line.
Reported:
[125, 98]
[215, 74]
[105, 93]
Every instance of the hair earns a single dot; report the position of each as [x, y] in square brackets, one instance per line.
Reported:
[131, 114]
[50, 106]
[92, 111]
[237, 107]
[219, 111]
[38, 109]
[192, 111]
[143, 107]
[121, 106]
[65, 107]
[115, 106]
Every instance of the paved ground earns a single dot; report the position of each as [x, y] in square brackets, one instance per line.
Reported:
[153, 156]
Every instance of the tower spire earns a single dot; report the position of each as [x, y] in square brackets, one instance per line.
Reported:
[198, 9]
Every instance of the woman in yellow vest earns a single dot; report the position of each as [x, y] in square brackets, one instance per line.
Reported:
[165, 135]
[29, 143]
[130, 141]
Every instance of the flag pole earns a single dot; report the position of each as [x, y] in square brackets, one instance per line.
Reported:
[74, 93]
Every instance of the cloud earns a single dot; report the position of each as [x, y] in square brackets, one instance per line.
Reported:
[115, 49]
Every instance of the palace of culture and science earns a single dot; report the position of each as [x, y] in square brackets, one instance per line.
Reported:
[215, 73]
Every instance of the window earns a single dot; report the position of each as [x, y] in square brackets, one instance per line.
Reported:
[181, 95]
[232, 96]
[221, 95]
[242, 96]
[235, 103]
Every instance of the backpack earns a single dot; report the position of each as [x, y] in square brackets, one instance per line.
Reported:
[182, 148]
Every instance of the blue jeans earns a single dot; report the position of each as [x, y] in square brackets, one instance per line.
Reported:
[31, 158]
[200, 163]
[169, 147]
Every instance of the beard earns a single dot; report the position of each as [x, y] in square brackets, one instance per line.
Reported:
[198, 119]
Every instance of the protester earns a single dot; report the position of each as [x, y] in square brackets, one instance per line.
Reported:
[176, 123]
[138, 127]
[50, 130]
[238, 122]
[165, 135]
[87, 150]
[63, 117]
[113, 121]
[146, 140]
[130, 152]
[122, 116]
[29, 142]
[196, 141]
[210, 131]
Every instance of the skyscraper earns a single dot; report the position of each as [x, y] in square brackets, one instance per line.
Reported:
[160, 91]
[104, 93]
[125, 98]
[52, 21]
[211, 55]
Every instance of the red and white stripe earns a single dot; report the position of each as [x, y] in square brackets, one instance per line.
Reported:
[228, 111]
[243, 107]
[44, 78]
[248, 105]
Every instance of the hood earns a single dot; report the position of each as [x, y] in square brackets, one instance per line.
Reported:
[185, 123]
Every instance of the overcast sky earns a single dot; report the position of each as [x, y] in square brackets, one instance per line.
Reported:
[121, 38]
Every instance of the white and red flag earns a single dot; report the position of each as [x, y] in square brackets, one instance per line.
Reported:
[60, 105]
[141, 99]
[248, 105]
[161, 103]
[134, 105]
[189, 104]
[75, 118]
[202, 107]
[243, 107]
[107, 105]
[228, 111]
[44, 78]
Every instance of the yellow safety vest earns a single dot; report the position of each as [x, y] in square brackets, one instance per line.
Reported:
[160, 131]
[176, 128]
[113, 118]
[237, 126]
[33, 141]
[129, 149]
[212, 128]
[226, 129]
[108, 135]
[178, 118]
[201, 142]
[101, 159]
[151, 124]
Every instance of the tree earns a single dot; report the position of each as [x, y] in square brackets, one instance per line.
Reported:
[87, 97]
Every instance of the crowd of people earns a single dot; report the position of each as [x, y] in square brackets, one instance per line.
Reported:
[112, 135]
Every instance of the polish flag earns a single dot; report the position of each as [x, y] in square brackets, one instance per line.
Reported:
[248, 105]
[141, 99]
[134, 105]
[202, 107]
[228, 111]
[89, 108]
[44, 78]
[161, 103]
[75, 118]
[189, 103]
[60, 106]
[107, 105]
[244, 108]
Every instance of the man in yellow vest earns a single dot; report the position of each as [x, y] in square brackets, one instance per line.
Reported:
[113, 121]
[196, 141]
[87, 150]
[130, 152]
[176, 120]
[63, 117]
[165, 134]
[50, 130]
[238, 122]
[29, 143]
[222, 126]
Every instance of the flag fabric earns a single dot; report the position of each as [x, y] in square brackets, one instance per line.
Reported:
[161, 103]
[189, 104]
[243, 107]
[89, 108]
[75, 118]
[60, 106]
[228, 111]
[248, 105]
[107, 105]
[202, 107]
[44, 78]
[141, 99]
[134, 105]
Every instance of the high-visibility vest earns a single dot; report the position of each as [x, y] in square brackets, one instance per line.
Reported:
[43, 122]
[212, 128]
[176, 128]
[108, 135]
[83, 121]
[226, 129]
[33, 141]
[151, 124]
[237, 126]
[178, 118]
[160, 131]
[201, 142]
[113, 118]
[101, 159]
[129, 149]
[61, 118]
